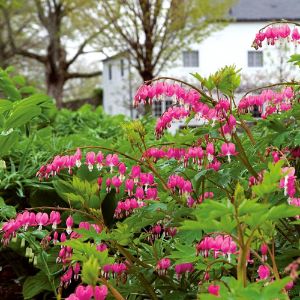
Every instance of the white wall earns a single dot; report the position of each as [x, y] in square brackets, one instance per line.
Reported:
[117, 91]
[230, 46]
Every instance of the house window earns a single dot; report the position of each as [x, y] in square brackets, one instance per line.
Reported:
[190, 58]
[110, 72]
[255, 58]
[255, 112]
[159, 107]
[122, 67]
[169, 103]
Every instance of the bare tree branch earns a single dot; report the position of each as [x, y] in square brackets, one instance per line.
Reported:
[81, 48]
[82, 75]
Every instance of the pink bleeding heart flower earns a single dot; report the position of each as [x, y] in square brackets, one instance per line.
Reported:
[99, 182]
[289, 285]
[41, 219]
[69, 223]
[264, 251]
[116, 182]
[139, 193]
[99, 159]
[90, 159]
[54, 219]
[76, 270]
[214, 290]
[100, 292]
[84, 292]
[135, 173]
[101, 247]
[129, 185]
[122, 171]
[151, 194]
[263, 272]
[112, 160]
[78, 157]
[163, 265]
[210, 150]
[228, 149]
[108, 185]
[84, 225]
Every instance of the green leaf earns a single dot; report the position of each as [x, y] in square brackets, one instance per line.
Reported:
[21, 115]
[19, 80]
[8, 88]
[239, 194]
[295, 59]
[184, 253]
[5, 105]
[90, 270]
[283, 211]
[7, 142]
[122, 234]
[36, 284]
[6, 211]
[270, 183]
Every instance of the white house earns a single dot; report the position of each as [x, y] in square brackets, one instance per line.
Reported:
[231, 45]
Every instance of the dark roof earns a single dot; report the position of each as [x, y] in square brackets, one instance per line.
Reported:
[265, 10]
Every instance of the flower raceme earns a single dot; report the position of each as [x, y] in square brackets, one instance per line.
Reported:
[186, 102]
[195, 155]
[219, 245]
[28, 219]
[159, 90]
[116, 270]
[125, 208]
[201, 112]
[268, 102]
[177, 182]
[92, 159]
[276, 33]
[159, 230]
[183, 268]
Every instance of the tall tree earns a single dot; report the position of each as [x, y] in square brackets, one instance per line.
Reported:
[55, 26]
[154, 31]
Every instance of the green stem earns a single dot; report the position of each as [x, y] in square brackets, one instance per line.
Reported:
[241, 266]
[243, 156]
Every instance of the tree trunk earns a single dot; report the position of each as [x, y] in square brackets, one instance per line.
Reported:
[55, 88]
[56, 68]
[55, 81]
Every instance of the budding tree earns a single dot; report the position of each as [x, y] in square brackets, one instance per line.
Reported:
[154, 32]
[54, 26]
